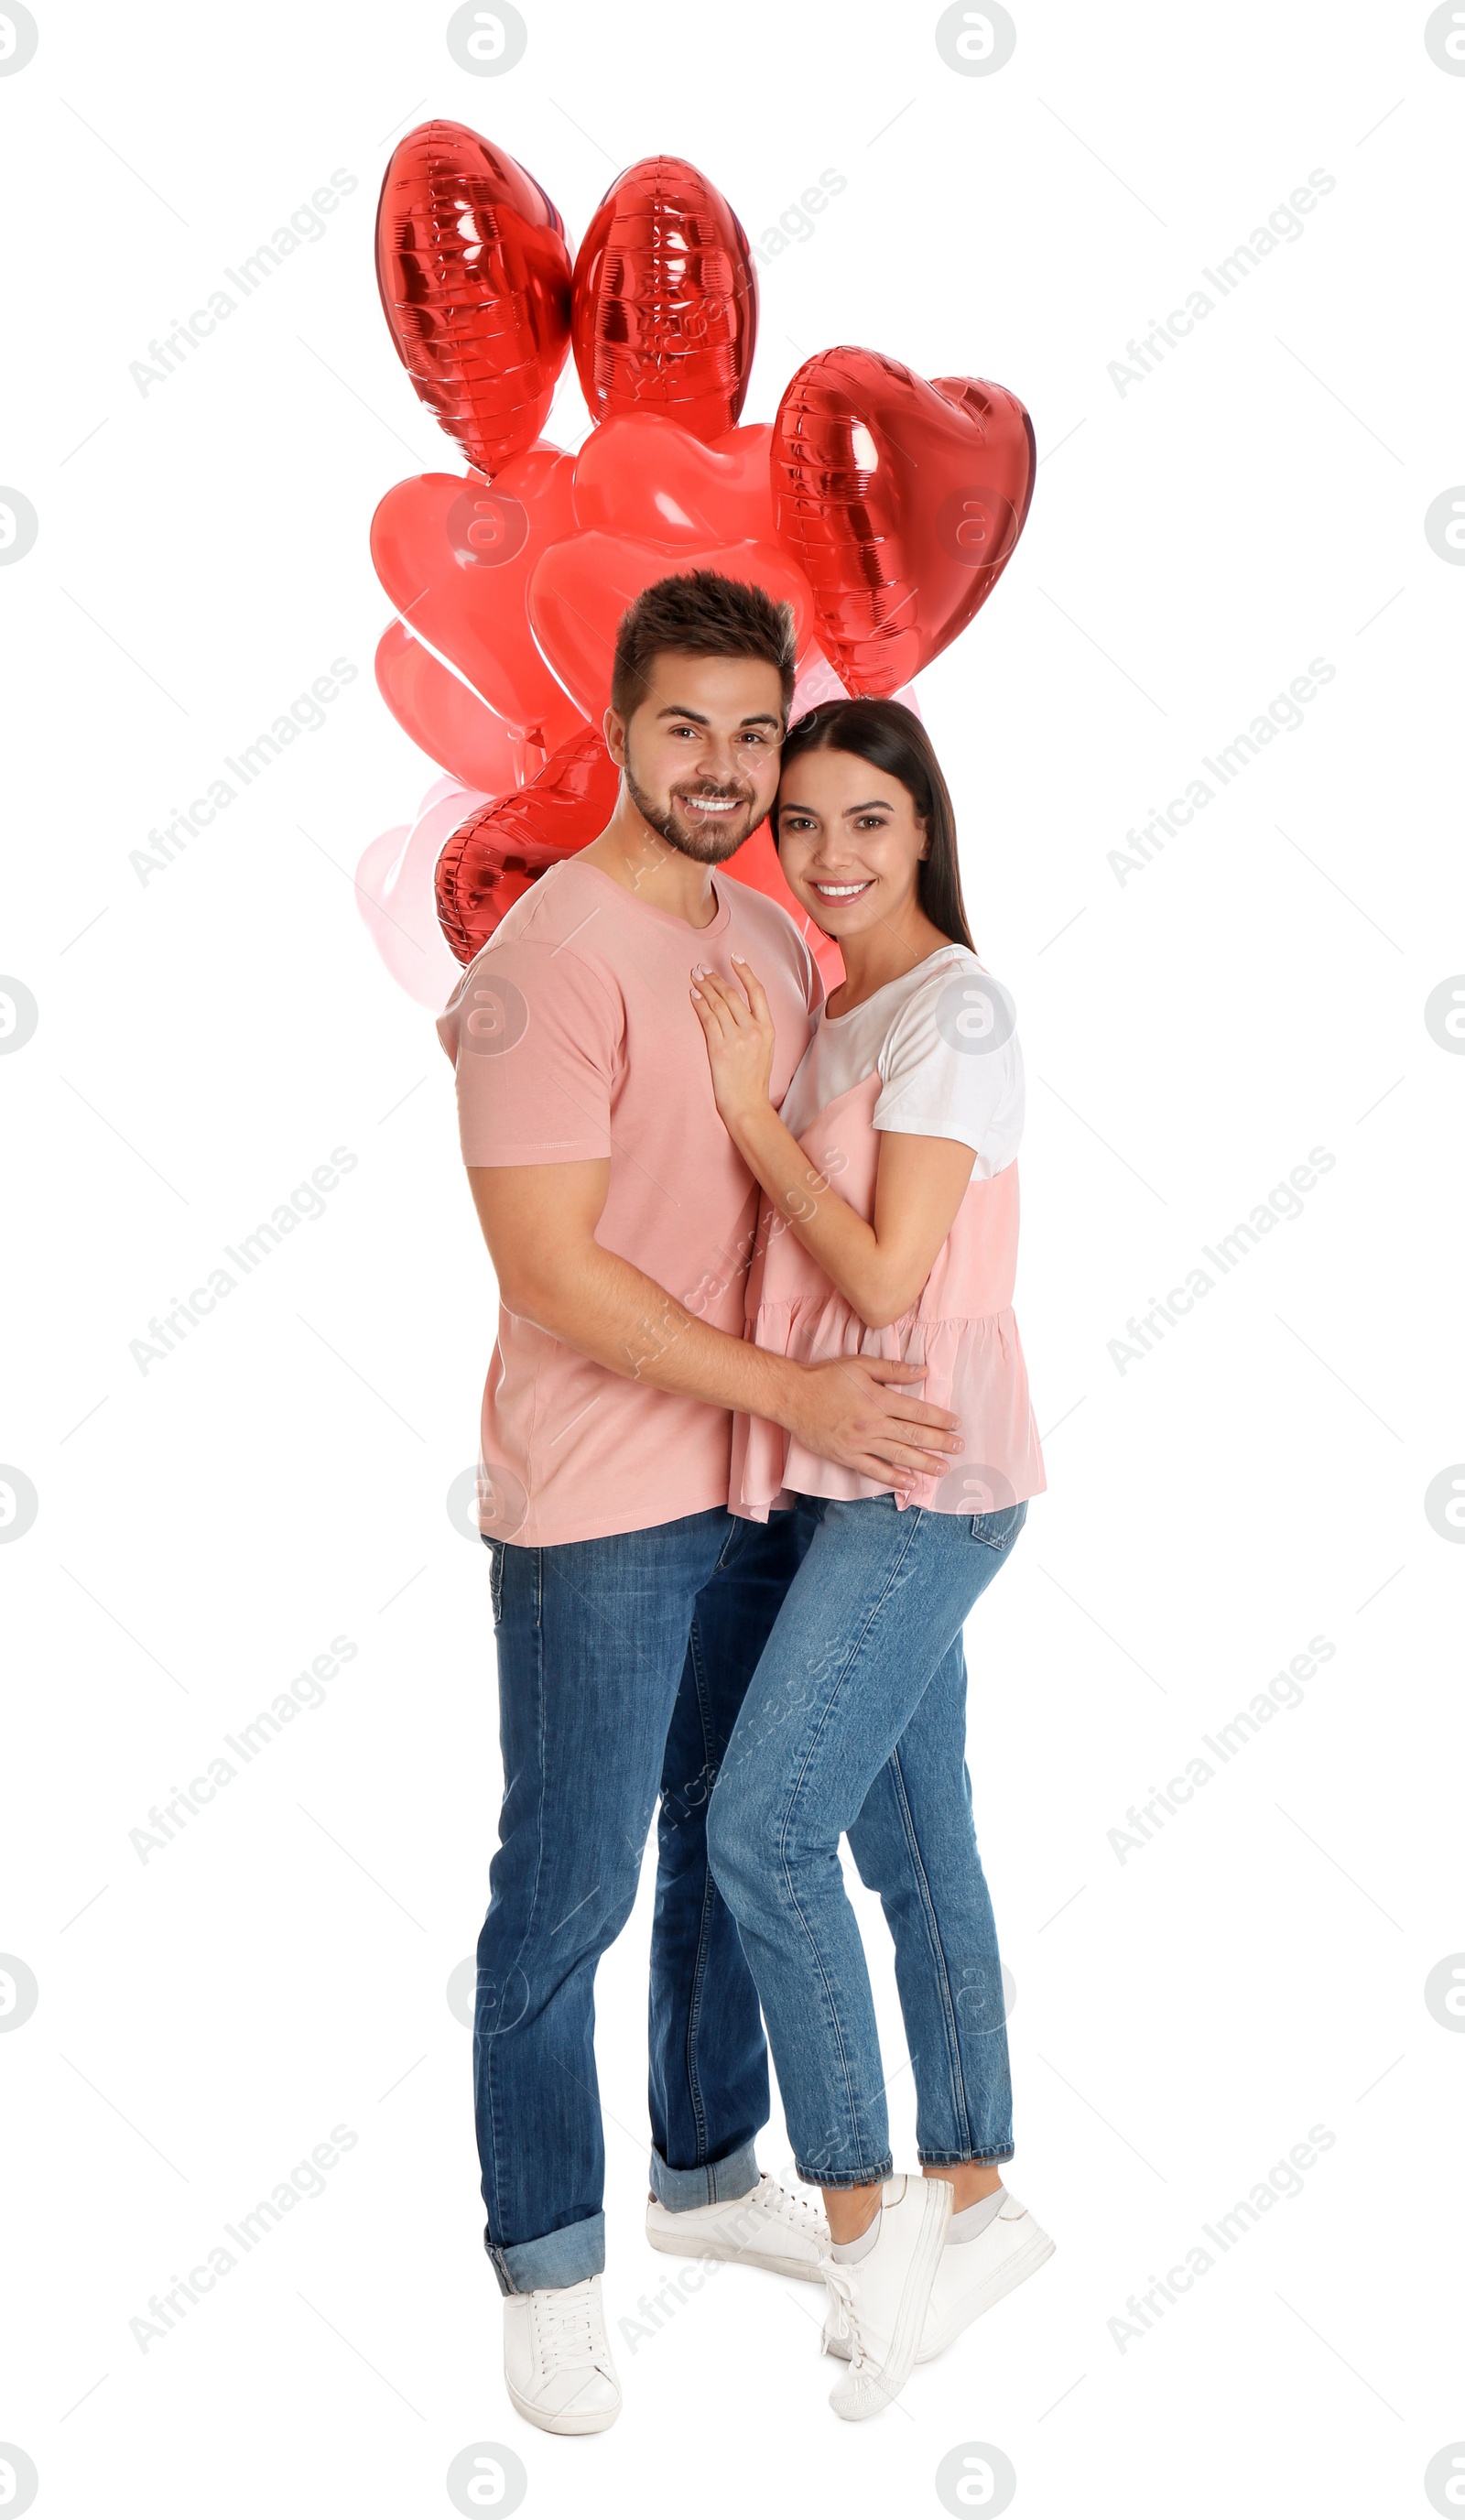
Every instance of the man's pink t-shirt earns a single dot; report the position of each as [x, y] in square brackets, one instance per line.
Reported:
[573, 1037]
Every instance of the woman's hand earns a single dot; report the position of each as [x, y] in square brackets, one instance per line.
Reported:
[739, 1034]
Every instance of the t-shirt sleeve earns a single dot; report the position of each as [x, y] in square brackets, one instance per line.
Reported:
[534, 1035]
[950, 1067]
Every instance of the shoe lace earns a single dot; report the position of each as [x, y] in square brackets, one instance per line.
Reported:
[841, 2289]
[566, 2325]
[794, 2211]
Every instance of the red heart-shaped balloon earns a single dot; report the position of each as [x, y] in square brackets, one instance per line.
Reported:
[579, 589]
[650, 477]
[902, 502]
[455, 554]
[453, 727]
[664, 300]
[505, 845]
[475, 274]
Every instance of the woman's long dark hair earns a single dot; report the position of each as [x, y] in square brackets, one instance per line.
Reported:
[892, 739]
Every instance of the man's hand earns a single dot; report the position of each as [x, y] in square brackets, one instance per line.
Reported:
[539, 1221]
[855, 1410]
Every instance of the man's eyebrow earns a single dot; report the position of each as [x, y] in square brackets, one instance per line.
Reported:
[755, 717]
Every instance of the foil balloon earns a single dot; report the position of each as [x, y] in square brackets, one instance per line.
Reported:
[650, 477]
[474, 274]
[395, 894]
[504, 846]
[579, 589]
[664, 300]
[900, 500]
[455, 554]
[451, 725]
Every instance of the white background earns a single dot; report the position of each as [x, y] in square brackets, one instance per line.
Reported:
[1183, 2017]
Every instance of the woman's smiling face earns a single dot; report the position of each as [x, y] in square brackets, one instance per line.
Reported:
[849, 841]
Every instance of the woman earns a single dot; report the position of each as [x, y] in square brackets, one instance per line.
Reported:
[888, 1227]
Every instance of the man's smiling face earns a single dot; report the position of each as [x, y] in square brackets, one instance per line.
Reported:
[701, 750]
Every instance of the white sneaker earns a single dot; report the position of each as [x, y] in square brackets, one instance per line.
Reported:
[556, 2361]
[771, 2228]
[877, 2305]
[972, 2275]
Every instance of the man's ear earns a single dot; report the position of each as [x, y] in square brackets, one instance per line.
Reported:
[615, 728]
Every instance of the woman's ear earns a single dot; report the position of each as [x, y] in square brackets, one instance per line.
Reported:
[924, 828]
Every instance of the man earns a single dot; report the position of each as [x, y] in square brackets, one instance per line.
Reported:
[629, 1607]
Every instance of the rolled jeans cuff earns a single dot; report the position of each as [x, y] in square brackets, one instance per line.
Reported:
[717, 2183]
[560, 2258]
[992, 2158]
[875, 2177]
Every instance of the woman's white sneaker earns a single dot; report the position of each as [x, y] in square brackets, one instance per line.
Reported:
[557, 2359]
[878, 2305]
[972, 2275]
[771, 2227]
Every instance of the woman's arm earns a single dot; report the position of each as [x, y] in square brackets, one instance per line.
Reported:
[539, 1222]
[879, 1268]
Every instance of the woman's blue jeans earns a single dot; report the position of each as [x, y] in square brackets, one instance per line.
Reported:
[854, 1722]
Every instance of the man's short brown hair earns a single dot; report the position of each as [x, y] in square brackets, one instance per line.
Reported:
[700, 613]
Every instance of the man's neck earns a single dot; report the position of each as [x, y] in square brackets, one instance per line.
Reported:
[641, 861]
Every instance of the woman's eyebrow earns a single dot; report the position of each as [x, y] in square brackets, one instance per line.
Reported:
[788, 805]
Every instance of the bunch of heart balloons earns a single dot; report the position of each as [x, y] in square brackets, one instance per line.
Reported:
[881, 508]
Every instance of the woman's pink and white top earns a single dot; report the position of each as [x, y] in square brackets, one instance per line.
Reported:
[935, 1055]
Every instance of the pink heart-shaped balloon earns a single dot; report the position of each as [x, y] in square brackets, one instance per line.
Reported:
[395, 895]
[649, 477]
[455, 553]
[579, 589]
[818, 682]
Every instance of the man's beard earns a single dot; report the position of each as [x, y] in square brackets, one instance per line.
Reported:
[707, 843]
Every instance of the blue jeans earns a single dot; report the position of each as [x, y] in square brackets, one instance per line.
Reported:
[622, 1665]
[854, 1722]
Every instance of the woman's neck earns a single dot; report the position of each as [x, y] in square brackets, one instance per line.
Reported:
[881, 954]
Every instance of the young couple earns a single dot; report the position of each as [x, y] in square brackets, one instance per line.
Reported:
[736, 1232]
